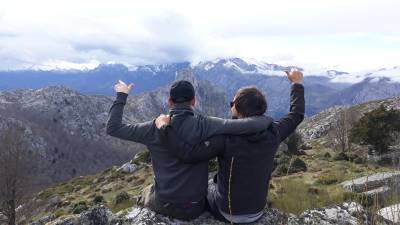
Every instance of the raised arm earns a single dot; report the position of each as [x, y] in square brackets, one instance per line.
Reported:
[188, 153]
[140, 132]
[287, 124]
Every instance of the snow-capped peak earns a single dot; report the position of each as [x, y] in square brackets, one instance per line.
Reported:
[389, 74]
[245, 66]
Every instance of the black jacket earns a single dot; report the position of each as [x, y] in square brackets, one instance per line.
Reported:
[176, 181]
[252, 155]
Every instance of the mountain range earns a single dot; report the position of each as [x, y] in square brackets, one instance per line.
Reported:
[324, 88]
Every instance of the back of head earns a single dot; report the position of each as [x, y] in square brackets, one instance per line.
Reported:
[181, 91]
[249, 101]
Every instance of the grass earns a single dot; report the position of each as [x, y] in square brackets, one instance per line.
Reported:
[320, 185]
[85, 189]
[295, 196]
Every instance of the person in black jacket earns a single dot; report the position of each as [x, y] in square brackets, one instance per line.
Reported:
[179, 188]
[245, 162]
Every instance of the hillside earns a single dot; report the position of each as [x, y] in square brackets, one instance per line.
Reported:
[67, 128]
[319, 125]
[112, 194]
[318, 195]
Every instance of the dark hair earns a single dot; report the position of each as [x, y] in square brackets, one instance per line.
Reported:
[181, 91]
[249, 101]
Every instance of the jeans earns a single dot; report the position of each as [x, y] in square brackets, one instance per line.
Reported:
[181, 211]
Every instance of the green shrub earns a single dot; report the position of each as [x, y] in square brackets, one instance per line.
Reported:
[363, 199]
[327, 155]
[327, 180]
[377, 128]
[341, 156]
[297, 165]
[98, 199]
[142, 157]
[293, 142]
[121, 198]
[359, 160]
[385, 161]
[79, 207]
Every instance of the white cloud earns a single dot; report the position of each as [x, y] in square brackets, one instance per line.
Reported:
[350, 35]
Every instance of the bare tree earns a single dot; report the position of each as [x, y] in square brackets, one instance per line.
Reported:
[16, 170]
[340, 133]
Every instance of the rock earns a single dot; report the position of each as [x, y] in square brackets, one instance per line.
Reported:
[372, 181]
[143, 216]
[343, 214]
[95, 216]
[283, 147]
[54, 201]
[306, 146]
[382, 192]
[391, 213]
[127, 168]
[44, 220]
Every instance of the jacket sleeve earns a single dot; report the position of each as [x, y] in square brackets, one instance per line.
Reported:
[287, 124]
[140, 132]
[217, 126]
[188, 153]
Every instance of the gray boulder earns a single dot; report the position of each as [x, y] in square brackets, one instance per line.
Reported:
[373, 181]
[144, 216]
[128, 168]
[391, 213]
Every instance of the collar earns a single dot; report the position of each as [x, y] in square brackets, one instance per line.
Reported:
[181, 109]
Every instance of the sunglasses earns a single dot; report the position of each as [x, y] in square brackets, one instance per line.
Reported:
[232, 104]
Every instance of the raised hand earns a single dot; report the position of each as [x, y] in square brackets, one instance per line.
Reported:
[295, 76]
[122, 87]
[162, 120]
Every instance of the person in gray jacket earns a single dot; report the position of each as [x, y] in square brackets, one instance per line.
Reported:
[180, 189]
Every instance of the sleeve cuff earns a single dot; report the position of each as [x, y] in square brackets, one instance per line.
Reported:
[297, 86]
[121, 97]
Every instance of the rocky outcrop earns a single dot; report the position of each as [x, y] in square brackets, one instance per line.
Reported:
[143, 216]
[128, 168]
[347, 213]
[370, 182]
[343, 214]
[320, 124]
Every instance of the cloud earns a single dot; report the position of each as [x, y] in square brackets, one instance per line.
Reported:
[350, 34]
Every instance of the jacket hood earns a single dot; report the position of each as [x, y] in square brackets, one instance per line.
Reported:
[262, 135]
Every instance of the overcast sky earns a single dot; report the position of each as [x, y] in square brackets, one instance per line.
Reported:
[341, 34]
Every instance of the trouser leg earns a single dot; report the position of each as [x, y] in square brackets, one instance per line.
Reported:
[179, 211]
